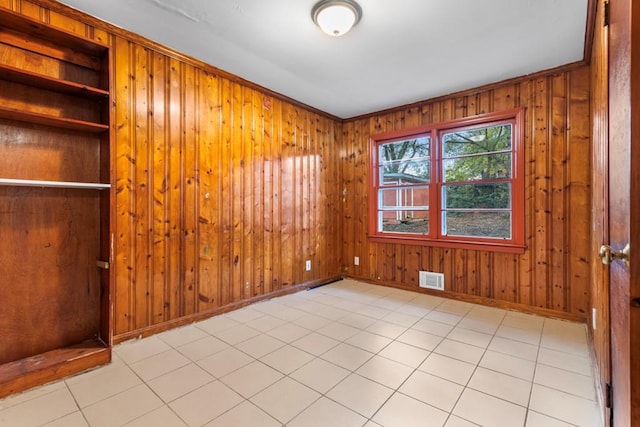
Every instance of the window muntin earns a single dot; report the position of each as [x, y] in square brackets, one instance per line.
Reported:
[469, 171]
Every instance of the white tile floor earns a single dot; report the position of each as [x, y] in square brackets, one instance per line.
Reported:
[346, 354]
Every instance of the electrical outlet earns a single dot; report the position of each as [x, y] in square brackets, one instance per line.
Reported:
[356, 260]
[594, 313]
[307, 265]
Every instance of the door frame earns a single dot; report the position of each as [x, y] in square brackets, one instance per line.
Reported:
[624, 206]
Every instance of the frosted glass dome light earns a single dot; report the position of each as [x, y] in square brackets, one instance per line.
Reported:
[336, 17]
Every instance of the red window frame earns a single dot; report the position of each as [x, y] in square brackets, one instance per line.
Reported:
[435, 237]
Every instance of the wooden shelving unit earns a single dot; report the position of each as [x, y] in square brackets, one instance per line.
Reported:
[54, 141]
[17, 75]
[46, 120]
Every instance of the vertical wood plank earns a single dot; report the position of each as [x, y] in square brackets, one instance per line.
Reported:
[259, 199]
[541, 188]
[141, 213]
[209, 183]
[125, 197]
[270, 195]
[247, 164]
[459, 273]
[359, 155]
[558, 234]
[225, 196]
[288, 195]
[277, 168]
[472, 285]
[349, 236]
[599, 286]
[174, 298]
[161, 191]
[526, 260]
[580, 196]
[304, 196]
[32, 10]
[189, 147]
[237, 193]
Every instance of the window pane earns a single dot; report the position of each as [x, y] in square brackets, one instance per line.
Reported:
[411, 172]
[402, 151]
[476, 168]
[414, 197]
[405, 162]
[477, 224]
[413, 222]
[477, 141]
[477, 196]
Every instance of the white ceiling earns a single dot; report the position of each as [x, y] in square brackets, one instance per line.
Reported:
[402, 51]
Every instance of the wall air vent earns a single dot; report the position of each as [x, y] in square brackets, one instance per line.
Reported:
[431, 280]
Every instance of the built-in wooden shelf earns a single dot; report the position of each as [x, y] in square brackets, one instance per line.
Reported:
[54, 95]
[47, 120]
[22, 24]
[25, 373]
[54, 184]
[18, 75]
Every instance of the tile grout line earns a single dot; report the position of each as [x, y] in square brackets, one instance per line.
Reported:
[346, 296]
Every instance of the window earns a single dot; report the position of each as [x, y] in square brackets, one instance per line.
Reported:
[454, 184]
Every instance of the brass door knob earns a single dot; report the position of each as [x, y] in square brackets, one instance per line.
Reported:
[607, 254]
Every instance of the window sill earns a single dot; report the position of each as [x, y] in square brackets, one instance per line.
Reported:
[451, 243]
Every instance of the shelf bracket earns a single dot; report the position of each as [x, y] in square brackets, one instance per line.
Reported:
[102, 264]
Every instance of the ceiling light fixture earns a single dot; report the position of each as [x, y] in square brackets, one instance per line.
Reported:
[336, 17]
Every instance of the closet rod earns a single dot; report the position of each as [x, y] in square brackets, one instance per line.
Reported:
[54, 184]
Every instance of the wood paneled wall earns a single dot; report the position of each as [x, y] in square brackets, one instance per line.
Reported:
[600, 230]
[222, 191]
[554, 272]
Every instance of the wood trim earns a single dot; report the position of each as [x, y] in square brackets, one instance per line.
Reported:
[471, 92]
[37, 370]
[449, 243]
[83, 17]
[57, 36]
[599, 290]
[107, 204]
[203, 315]
[489, 302]
[624, 206]
[634, 201]
[590, 30]
[597, 373]
[157, 47]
